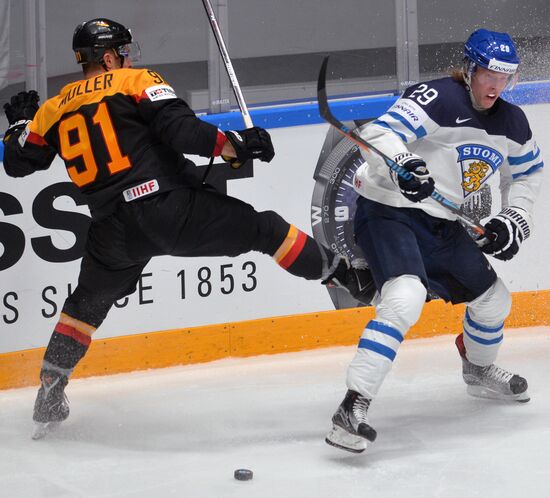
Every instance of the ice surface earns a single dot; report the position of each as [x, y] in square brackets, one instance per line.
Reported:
[183, 431]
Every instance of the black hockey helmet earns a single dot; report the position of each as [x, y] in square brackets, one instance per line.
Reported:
[92, 38]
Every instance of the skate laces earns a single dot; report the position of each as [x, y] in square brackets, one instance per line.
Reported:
[48, 383]
[54, 397]
[360, 407]
[497, 374]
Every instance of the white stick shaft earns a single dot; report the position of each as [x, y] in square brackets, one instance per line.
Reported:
[227, 61]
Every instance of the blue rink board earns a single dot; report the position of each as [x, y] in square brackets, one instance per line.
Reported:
[351, 109]
[346, 110]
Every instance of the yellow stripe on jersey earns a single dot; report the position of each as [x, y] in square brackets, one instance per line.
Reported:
[128, 81]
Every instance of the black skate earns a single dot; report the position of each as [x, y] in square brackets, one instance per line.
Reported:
[357, 281]
[51, 406]
[491, 382]
[351, 430]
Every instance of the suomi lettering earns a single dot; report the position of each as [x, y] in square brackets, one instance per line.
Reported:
[482, 154]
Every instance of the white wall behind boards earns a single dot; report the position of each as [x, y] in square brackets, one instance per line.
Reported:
[175, 31]
[177, 292]
[530, 270]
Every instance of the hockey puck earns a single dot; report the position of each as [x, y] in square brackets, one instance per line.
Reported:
[243, 474]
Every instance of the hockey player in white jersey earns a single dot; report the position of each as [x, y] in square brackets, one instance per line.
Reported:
[452, 134]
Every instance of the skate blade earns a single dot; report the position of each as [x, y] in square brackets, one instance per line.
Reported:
[483, 392]
[42, 429]
[340, 438]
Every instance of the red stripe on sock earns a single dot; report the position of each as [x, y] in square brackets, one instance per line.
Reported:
[71, 332]
[295, 250]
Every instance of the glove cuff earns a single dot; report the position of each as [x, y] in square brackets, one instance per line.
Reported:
[18, 125]
[404, 156]
[400, 158]
[516, 217]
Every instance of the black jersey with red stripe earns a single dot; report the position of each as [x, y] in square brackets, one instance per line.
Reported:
[113, 131]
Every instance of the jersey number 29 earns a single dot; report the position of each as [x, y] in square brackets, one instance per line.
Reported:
[424, 94]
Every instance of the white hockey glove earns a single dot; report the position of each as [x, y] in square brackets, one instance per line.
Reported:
[506, 231]
[421, 185]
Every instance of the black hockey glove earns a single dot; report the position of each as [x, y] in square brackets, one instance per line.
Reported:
[252, 143]
[357, 281]
[20, 110]
[421, 184]
[22, 107]
[506, 231]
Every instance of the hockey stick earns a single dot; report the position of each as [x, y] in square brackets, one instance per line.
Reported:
[227, 61]
[230, 72]
[327, 115]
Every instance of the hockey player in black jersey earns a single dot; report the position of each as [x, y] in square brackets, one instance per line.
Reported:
[452, 134]
[122, 133]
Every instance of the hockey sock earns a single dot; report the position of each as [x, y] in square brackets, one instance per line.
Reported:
[68, 344]
[401, 303]
[484, 323]
[300, 255]
[291, 248]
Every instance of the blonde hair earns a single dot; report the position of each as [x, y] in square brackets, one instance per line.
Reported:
[457, 74]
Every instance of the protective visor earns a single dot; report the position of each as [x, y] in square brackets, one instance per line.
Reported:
[130, 51]
[501, 81]
[504, 80]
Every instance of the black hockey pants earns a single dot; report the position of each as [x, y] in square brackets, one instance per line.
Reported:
[184, 222]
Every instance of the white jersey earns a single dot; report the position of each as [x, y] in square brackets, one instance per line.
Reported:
[462, 148]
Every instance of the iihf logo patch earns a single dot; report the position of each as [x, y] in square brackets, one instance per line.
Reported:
[478, 163]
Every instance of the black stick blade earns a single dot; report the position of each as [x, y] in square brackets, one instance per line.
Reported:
[324, 110]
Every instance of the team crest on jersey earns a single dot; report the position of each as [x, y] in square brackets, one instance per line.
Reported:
[478, 163]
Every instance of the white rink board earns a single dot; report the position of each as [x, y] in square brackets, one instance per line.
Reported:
[32, 290]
